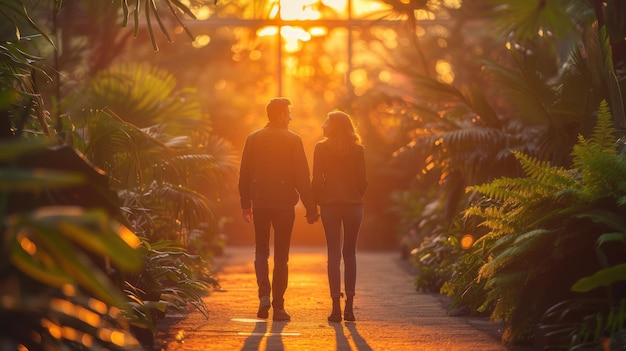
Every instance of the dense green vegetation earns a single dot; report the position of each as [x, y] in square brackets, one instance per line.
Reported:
[109, 187]
[494, 133]
[525, 162]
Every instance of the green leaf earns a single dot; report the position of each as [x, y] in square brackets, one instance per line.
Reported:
[611, 238]
[64, 254]
[14, 150]
[610, 219]
[604, 277]
[26, 263]
[12, 179]
[103, 242]
[91, 230]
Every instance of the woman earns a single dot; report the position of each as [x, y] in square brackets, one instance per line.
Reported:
[339, 183]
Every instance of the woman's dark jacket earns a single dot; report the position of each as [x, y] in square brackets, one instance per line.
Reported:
[338, 178]
[274, 172]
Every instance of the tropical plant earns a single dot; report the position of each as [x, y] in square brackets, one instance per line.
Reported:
[66, 293]
[433, 259]
[535, 97]
[169, 281]
[544, 230]
[61, 243]
[155, 143]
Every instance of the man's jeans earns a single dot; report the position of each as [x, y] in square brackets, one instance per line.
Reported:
[282, 221]
[334, 218]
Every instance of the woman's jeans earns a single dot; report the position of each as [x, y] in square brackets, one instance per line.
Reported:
[336, 217]
[282, 221]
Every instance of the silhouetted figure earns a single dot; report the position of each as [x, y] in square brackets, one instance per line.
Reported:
[339, 183]
[274, 175]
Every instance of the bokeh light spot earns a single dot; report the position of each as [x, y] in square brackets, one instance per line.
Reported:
[467, 241]
[202, 40]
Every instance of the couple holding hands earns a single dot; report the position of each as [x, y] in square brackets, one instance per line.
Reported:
[274, 176]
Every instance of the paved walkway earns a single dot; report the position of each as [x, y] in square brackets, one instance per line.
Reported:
[390, 314]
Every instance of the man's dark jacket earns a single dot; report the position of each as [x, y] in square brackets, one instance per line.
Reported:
[274, 172]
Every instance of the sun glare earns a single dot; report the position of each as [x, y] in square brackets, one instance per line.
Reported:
[299, 10]
[339, 5]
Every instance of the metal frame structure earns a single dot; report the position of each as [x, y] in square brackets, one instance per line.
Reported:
[348, 23]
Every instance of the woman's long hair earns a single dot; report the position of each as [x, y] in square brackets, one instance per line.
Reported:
[340, 132]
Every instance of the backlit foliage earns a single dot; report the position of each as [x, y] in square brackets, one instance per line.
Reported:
[541, 238]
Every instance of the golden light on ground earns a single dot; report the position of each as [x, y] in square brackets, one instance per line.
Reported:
[467, 241]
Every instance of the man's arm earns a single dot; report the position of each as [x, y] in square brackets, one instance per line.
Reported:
[244, 177]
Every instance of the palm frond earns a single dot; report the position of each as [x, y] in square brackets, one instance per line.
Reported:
[122, 150]
[523, 21]
[184, 204]
[150, 9]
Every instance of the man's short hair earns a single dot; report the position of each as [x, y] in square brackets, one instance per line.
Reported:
[276, 107]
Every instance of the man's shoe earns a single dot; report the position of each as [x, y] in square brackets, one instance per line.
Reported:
[264, 307]
[281, 315]
[335, 317]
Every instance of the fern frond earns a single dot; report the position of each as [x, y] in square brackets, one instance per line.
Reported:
[602, 140]
[543, 171]
[500, 189]
[515, 253]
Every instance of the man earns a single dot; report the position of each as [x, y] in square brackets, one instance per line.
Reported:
[273, 176]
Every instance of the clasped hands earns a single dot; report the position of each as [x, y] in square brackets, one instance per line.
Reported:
[312, 218]
[246, 214]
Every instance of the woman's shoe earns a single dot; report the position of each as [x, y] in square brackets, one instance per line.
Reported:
[348, 314]
[335, 315]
